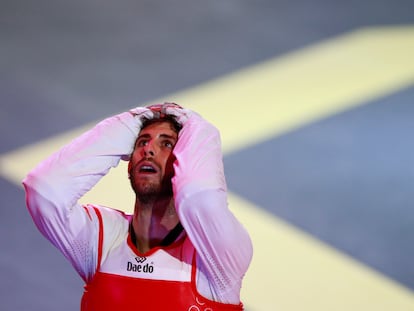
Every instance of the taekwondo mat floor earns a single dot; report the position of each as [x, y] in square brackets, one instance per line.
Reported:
[315, 103]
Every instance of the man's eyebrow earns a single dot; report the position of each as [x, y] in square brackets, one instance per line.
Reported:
[163, 135]
[144, 136]
[168, 136]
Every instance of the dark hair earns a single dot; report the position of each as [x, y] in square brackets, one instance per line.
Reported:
[165, 118]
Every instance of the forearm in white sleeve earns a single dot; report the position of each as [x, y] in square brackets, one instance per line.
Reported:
[54, 187]
[222, 243]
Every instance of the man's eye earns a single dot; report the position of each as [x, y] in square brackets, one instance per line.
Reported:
[168, 144]
[142, 143]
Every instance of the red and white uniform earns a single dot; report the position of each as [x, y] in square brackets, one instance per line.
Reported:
[202, 270]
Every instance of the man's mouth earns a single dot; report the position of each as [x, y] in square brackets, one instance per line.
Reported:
[147, 168]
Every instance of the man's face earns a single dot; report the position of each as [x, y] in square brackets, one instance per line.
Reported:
[151, 164]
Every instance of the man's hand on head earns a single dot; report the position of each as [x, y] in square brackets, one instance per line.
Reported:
[180, 114]
[142, 112]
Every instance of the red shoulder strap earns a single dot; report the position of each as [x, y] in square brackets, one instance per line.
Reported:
[100, 238]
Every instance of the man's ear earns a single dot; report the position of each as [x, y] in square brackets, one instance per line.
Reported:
[129, 168]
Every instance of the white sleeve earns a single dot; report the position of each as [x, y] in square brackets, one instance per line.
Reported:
[54, 187]
[222, 243]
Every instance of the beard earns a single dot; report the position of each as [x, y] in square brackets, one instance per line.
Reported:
[149, 191]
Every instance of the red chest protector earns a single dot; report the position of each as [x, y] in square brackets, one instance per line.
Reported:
[108, 292]
[111, 289]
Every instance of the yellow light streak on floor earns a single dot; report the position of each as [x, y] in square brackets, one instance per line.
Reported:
[293, 271]
[283, 93]
[290, 270]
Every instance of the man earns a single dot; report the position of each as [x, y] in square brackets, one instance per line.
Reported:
[182, 249]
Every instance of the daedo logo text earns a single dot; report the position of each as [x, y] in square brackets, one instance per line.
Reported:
[140, 267]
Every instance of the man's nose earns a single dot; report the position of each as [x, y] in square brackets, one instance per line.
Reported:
[149, 150]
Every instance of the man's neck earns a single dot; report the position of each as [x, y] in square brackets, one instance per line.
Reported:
[152, 221]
